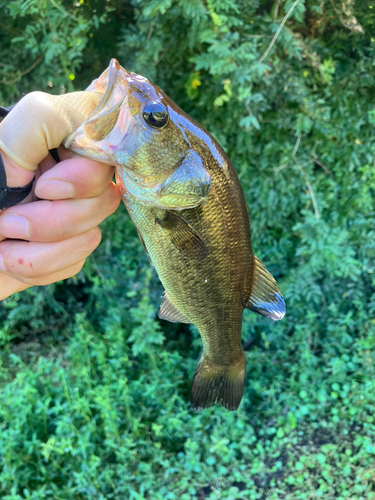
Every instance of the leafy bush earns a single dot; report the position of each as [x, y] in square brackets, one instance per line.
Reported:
[94, 388]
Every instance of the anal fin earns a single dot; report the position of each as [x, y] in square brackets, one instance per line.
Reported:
[266, 298]
[169, 311]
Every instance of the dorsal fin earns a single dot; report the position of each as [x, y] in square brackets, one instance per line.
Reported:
[265, 298]
[169, 311]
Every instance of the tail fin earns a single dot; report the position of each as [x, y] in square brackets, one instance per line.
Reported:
[214, 384]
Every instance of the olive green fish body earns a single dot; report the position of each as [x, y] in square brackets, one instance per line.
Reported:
[212, 286]
[186, 201]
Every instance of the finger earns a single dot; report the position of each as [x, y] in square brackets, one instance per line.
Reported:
[29, 260]
[66, 154]
[40, 122]
[46, 164]
[16, 175]
[49, 221]
[10, 285]
[64, 274]
[74, 178]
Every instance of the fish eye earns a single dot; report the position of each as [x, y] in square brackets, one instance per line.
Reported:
[155, 114]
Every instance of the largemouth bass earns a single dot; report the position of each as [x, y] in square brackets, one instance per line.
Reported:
[188, 206]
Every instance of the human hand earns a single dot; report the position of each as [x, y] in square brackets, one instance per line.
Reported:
[55, 228]
[52, 237]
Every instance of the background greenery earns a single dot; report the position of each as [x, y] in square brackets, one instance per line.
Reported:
[94, 388]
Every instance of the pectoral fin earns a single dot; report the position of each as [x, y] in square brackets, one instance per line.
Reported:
[182, 235]
[169, 311]
[266, 298]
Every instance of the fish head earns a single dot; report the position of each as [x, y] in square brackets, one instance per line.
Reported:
[135, 128]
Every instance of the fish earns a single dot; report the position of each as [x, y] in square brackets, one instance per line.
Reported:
[190, 212]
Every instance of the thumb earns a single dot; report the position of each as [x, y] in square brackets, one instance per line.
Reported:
[16, 176]
[40, 122]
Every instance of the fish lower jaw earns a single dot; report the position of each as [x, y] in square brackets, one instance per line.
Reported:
[153, 194]
[180, 203]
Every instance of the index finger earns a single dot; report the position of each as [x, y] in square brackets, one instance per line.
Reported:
[16, 176]
[74, 178]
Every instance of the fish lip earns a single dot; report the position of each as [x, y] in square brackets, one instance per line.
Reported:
[114, 70]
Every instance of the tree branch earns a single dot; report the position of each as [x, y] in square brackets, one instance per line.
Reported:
[30, 68]
[278, 31]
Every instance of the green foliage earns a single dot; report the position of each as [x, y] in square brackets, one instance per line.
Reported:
[94, 388]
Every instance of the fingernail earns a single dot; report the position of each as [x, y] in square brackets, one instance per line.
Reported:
[54, 190]
[2, 268]
[14, 226]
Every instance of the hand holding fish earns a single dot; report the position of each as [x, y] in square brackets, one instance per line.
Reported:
[47, 237]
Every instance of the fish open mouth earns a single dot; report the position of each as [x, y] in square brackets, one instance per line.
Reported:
[113, 83]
